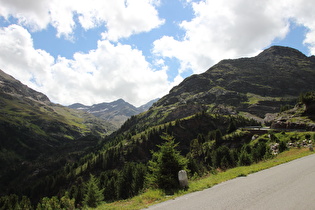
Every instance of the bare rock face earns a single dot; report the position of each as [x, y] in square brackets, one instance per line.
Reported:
[297, 118]
[289, 125]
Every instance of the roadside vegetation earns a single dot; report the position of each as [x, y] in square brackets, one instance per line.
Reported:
[139, 185]
[154, 196]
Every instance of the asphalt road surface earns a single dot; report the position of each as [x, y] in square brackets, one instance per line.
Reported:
[287, 186]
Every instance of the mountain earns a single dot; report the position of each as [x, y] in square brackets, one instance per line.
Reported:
[116, 112]
[147, 106]
[202, 114]
[38, 136]
[228, 95]
[255, 87]
[277, 72]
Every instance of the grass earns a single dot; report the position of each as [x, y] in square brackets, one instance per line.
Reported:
[151, 197]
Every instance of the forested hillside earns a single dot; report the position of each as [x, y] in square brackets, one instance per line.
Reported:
[39, 137]
[200, 126]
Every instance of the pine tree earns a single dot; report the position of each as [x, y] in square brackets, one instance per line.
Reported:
[218, 137]
[93, 195]
[25, 203]
[67, 203]
[244, 159]
[165, 165]
[124, 182]
[232, 126]
[49, 203]
[77, 191]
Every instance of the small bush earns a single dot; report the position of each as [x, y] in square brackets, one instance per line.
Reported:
[244, 159]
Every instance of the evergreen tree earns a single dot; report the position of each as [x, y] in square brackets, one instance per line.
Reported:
[259, 151]
[282, 146]
[25, 203]
[67, 203]
[124, 182]
[93, 195]
[77, 191]
[218, 137]
[232, 126]
[9, 202]
[165, 165]
[244, 159]
[49, 204]
[138, 177]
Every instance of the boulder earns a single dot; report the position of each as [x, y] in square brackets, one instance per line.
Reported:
[183, 179]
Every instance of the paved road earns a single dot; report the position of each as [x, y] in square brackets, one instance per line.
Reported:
[287, 186]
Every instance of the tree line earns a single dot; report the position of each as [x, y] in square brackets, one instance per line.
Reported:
[132, 162]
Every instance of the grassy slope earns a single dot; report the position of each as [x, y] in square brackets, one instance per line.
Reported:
[41, 136]
[151, 197]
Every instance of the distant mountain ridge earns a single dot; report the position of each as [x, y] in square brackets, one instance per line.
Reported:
[116, 112]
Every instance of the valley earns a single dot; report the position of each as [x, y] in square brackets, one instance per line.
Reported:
[50, 151]
[116, 112]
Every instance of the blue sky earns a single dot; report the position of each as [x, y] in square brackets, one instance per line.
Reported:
[99, 51]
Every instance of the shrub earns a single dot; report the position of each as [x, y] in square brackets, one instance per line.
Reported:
[244, 159]
[282, 146]
[307, 136]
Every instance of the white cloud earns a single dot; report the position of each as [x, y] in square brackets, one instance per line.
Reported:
[31, 13]
[302, 12]
[122, 18]
[135, 16]
[104, 74]
[224, 29]
[220, 29]
[18, 55]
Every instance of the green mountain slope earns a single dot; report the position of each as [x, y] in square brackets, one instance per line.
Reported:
[38, 136]
[202, 114]
[249, 87]
[252, 87]
[275, 76]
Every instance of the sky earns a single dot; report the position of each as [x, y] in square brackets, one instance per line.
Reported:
[94, 51]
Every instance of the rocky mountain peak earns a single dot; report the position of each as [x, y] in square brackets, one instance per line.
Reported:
[116, 112]
[280, 51]
[257, 85]
[10, 86]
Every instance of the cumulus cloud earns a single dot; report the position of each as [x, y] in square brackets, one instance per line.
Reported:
[301, 11]
[122, 18]
[219, 29]
[107, 73]
[31, 13]
[231, 29]
[18, 55]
